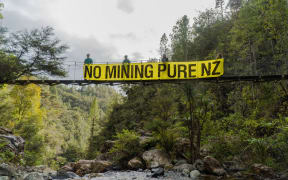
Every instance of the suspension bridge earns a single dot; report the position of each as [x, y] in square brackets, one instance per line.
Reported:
[75, 76]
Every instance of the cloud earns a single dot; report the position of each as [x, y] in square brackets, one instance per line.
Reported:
[79, 46]
[125, 6]
[130, 36]
[15, 21]
[137, 56]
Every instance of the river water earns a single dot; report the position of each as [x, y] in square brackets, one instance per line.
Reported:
[136, 175]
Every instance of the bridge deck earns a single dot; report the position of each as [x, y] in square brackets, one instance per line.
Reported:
[86, 82]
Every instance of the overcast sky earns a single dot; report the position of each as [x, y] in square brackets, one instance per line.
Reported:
[107, 29]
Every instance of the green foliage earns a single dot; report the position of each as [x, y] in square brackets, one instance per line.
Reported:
[166, 140]
[259, 147]
[73, 153]
[6, 155]
[163, 45]
[126, 146]
[34, 148]
[30, 53]
[236, 119]
[180, 39]
[54, 131]
[94, 130]
[242, 119]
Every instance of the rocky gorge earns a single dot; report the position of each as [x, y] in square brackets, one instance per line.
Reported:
[153, 163]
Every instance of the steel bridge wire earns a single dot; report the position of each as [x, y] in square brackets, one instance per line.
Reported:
[222, 79]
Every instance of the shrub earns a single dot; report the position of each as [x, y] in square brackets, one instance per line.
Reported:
[126, 147]
[278, 148]
[6, 155]
[259, 148]
[166, 140]
[225, 146]
[73, 153]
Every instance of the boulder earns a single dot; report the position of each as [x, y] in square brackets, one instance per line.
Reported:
[100, 166]
[156, 158]
[183, 167]
[213, 166]
[34, 176]
[15, 144]
[82, 167]
[41, 169]
[4, 178]
[7, 170]
[194, 174]
[68, 167]
[179, 162]
[263, 170]
[135, 163]
[199, 165]
[157, 172]
[65, 175]
[185, 172]
[44, 170]
[233, 166]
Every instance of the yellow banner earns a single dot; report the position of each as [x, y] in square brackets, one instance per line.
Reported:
[154, 71]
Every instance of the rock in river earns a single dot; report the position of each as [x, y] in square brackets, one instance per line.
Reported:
[156, 158]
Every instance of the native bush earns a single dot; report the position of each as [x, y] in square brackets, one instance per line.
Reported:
[166, 140]
[126, 146]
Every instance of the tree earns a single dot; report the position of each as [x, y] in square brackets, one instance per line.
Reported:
[259, 36]
[31, 53]
[235, 5]
[94, 119]
[220, 5]
[163, 45]
[195, 112]
[27, 120]
[180, 38]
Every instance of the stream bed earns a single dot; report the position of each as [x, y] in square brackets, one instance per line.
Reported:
[136, 175]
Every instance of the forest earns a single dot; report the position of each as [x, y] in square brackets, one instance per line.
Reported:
[231, 121]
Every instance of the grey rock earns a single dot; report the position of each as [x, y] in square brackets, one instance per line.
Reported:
[199, 165]
[179, 162]
[181, 167]
[263, 170]
[7, 170]
[185, 172]
[14, 143]
[233, 166]
[101, 166]
[194, 174]
[213, 166]
[4, 178]
[158, 172]
[153, 170]
[65, 175]
[135, 163]
[34, 176]
[237, 174]
[156, 158]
